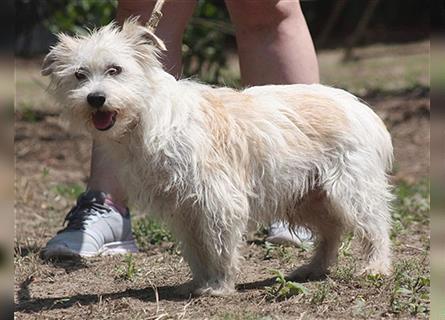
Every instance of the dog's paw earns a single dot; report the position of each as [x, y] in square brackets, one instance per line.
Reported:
[377, 268]
[308, 273]
[217, 289]
[215, 292]
[195, 289]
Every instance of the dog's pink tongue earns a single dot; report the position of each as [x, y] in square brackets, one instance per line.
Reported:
[103, 119]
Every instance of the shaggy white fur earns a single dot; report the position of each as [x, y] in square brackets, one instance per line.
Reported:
[205, 160]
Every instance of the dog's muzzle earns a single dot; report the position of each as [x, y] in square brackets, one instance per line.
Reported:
[104, 120]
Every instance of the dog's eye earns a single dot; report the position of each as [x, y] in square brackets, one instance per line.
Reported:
[114, 70]
[80, 75]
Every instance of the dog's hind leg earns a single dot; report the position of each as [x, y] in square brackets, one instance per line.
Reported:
[374, 228]
[323, 219]
[366, 207]
[376, 244]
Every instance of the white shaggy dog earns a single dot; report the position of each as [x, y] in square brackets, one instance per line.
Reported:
[205, 160]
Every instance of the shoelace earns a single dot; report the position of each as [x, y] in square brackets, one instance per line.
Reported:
[77, 216]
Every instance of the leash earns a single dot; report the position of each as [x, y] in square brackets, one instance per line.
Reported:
[156, 16]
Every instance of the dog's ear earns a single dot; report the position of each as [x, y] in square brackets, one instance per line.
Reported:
[48, 64]
[152, 39]
[62, 51]
[141, 35]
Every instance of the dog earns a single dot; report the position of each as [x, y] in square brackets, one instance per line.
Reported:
[207, 160]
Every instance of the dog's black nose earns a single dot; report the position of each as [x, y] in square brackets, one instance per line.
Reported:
[96, 99]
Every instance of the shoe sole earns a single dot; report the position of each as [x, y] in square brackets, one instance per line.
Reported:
[118, 247]
[279, 240]
[112, 248]
[286, 240]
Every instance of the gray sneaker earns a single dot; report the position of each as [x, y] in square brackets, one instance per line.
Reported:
[95, 227]
[279, 233]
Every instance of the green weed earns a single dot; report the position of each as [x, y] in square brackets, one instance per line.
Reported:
[321, 292]
[148, 232]
[411, 289]
[277, 251]
[283, 289]
[129, 271]
[345, 272]
[345, 248]
[269, 248]
[376, 280]
[305, 246]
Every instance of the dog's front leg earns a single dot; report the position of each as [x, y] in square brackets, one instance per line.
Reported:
[210, 246]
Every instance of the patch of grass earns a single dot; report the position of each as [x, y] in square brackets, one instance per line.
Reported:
[29, 115]
[148, 232]
[321, 292]
[283, 289]
[285, 254]
[129, 271]
[376, 280]
[26, 258]
[70, 191]
[22, 250]
[411, 289]
[345, 272]
[269, 248]
[412, 204]
[306, 246]
[277, 251]
[359, 307]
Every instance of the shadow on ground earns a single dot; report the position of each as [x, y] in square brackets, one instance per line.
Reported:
[172, 293]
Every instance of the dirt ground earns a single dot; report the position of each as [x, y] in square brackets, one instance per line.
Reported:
[52, 166]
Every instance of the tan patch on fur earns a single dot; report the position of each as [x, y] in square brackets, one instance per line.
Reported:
[325, 121]
[227, 141]
[217, 119]
[317, 117]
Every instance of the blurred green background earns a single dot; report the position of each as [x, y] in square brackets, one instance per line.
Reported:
[209, 40]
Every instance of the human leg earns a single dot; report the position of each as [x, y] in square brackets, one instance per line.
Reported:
[274, 43]
[176, 14]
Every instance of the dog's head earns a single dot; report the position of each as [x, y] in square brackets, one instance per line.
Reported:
[101, 80]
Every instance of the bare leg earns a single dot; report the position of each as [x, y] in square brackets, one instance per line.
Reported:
[274, 43]
[176, 14]
[170, 29]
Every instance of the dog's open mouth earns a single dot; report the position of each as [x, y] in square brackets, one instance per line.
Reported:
[104, 120]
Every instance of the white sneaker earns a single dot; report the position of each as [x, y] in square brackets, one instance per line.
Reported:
[95, 227]
[280, 233]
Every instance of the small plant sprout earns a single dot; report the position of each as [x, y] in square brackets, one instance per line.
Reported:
[283, 289]
[129, 271]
